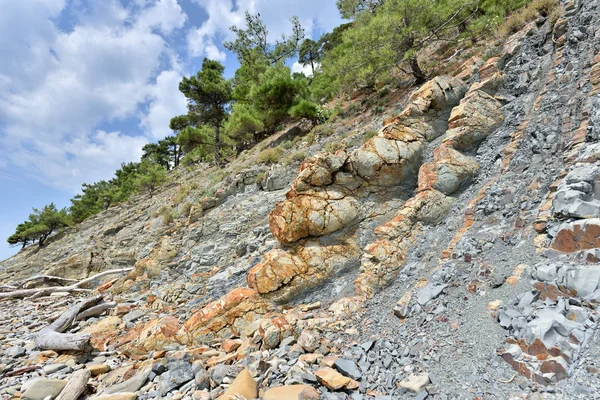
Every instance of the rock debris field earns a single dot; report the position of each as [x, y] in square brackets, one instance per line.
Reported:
[454, 255]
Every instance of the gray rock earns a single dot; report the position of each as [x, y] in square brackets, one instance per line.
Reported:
[52, 368]
[202, 380]
[133, 315]
[348, 368]
[41, 388]
[15, 352]
[429, 293]
[133, 384]
[178, 373]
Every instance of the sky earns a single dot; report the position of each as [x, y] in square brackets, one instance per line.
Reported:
[84, 84]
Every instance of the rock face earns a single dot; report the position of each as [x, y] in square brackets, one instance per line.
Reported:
[284, 274]
[323, 196]
[477, 115]
[225, 317]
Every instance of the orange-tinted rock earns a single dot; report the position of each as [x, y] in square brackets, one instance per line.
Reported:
[285, 274]
[292, 392]
[489, 68]
[332, 379]
[154, 335]
[103, 332]
[243, 385]
[319, 170]
[473, 120]
[468, 68]
[578, 235]
[314, 213]
[225, 317]
[229, 345]
[449, 170]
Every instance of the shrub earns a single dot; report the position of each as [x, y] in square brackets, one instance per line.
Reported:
[181, 194]
[185, 209]
[368, 135]
[269, 156]
[298, 156]
[332, 147]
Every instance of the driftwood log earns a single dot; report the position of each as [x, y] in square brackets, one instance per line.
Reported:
[52, 336]
[76, 386]
[44, 291]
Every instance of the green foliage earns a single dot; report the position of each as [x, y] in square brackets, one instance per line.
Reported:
[332, 147]
[149, 177]
[40, 225]
[276, 93]
[350, 9]
[310, 54]
[244, 125]
[208, 94]
[305, 109]
[252, 46]
[167, 152]
[270, 156]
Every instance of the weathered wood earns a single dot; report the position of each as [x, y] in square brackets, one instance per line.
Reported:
[76, 386]
[96, 310]
[52, 336]
[44, 278]
[44, 291]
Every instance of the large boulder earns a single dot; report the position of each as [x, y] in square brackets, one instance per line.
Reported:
[314, 213]
[473, 120]
[449, 170]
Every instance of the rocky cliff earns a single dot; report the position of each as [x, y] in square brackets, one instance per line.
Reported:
[452, 255]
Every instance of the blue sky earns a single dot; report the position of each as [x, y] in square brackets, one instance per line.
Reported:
[84, 84]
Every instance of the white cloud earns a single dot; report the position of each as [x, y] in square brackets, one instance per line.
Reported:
[166, 101]
[166, 15]
[313, 14]
[306, 70]
[59, 87]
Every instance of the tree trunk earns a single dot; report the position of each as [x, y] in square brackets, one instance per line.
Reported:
[416, 70]
[217, 144]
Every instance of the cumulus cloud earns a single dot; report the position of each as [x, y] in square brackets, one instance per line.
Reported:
[166, 101]
[60, 86]
[303, 69]
[314, 15]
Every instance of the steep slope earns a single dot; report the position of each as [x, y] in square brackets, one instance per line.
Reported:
[452, 255]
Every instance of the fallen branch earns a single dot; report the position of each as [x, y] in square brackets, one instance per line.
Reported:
[44, 291]
[96, 310]
[43, 278]
[76, 386]
[52, 336]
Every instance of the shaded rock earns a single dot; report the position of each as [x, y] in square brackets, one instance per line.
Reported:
[348, 368]
[178, 373]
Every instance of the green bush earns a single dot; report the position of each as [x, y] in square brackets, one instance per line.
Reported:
[270, 156]
[332, 147]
